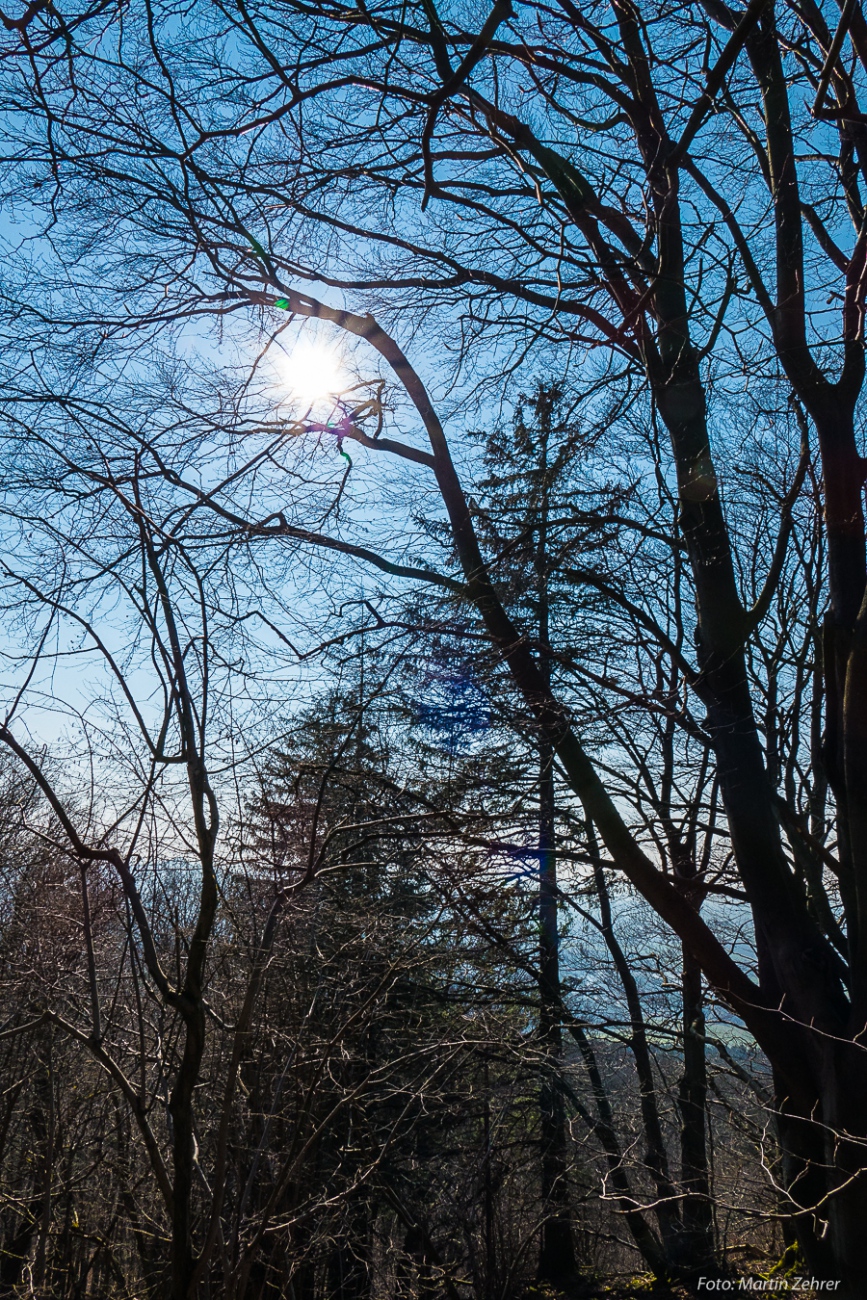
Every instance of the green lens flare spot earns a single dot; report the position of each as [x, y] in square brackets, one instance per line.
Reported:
[282, 303]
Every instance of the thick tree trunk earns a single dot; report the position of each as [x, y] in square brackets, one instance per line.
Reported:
[798, 969]
[845, 668]
[827, 1156]
[832, 1232]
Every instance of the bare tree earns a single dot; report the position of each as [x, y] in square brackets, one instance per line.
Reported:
[431, 169]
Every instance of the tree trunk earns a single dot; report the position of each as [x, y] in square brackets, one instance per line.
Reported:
[697, 1216]
[557, 1254]
[183, 1152]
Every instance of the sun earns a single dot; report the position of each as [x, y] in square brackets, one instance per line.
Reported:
[313, 372]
